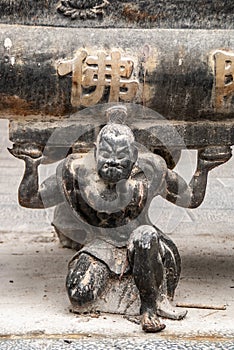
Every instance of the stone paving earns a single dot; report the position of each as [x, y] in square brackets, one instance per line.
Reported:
[115, 344]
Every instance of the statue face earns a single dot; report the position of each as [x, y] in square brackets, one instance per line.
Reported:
[115, 158]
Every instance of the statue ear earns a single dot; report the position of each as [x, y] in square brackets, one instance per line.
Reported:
[95, 150]
[135, 154]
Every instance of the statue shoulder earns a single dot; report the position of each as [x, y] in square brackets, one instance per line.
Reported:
[160, 162]
[157, 162]
[76, 167]
[73, 161]
[68, 166]
[155, 170]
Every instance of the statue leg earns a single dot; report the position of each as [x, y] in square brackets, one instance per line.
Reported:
[172, 269]
[147, 269]
[86, 279]
[68, 229]
[65, 241]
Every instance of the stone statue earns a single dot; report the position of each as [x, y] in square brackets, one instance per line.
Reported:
[106, 198]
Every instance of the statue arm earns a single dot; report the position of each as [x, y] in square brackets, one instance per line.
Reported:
[30, 194]
[192, 195]
[183, 195]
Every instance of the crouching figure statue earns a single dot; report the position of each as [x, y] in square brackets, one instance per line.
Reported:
[105, 196]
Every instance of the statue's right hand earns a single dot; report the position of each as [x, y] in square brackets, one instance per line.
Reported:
[27, 151]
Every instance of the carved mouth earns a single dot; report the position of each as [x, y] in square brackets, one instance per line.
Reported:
[107, 167]
[111, 173]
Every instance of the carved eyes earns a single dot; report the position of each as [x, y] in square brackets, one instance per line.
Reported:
[121, 155]
[105, 155]
[108, 155]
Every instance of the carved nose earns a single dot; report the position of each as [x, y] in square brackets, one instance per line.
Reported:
[112, 163]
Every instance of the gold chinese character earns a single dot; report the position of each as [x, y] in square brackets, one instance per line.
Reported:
[91, 75]
[224, 76]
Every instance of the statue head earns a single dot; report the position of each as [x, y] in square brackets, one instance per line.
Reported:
[116, 152]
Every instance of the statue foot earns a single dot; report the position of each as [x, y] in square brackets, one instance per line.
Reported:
[165, 309]
[133, 319]
[150, 322]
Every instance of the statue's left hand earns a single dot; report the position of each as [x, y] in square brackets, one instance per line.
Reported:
[213, 156]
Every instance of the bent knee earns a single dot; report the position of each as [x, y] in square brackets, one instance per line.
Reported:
[80, 294]
[143, 237]
[86, 279]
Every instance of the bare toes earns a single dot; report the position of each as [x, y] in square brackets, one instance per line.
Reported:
[151, 324]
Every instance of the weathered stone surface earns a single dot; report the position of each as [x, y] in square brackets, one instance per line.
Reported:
[179, 135]
[120, 13]
[174, 70]
[182, 75]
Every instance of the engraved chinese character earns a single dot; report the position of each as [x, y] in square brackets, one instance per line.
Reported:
[224, 76]
[91, 75]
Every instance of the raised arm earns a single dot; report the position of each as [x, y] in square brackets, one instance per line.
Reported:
[30, 194]
[192, 195]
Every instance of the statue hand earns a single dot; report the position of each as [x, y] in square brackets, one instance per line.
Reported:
[211, 157]
[27, 152]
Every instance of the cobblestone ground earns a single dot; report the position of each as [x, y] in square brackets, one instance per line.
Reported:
[127, 344]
